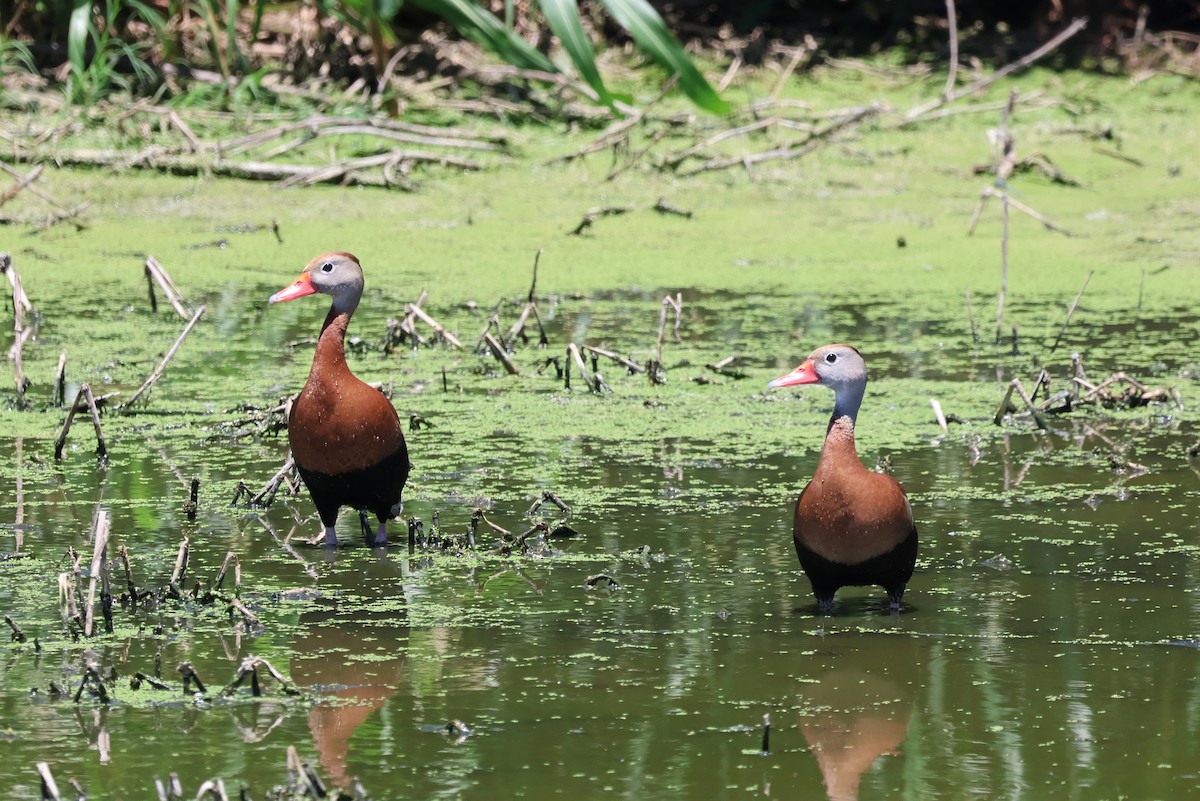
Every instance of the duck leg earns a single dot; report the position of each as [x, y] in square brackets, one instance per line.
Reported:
[381, 533]
[824, 604]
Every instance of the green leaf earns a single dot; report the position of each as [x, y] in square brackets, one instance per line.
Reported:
[652, 35]
[77, 34]
[485, 29]
[563, 18]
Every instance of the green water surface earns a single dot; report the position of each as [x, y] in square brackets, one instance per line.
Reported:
[1048, 642]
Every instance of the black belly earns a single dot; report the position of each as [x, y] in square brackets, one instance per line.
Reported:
[890, 570]
[376, 488]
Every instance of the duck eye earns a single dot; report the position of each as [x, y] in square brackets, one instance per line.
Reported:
[327, 267]
[831, 358]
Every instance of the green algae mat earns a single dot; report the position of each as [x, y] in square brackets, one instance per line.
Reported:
[1048, 641]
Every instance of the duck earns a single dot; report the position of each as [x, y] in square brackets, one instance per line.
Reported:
[345, 435]
[852, 527]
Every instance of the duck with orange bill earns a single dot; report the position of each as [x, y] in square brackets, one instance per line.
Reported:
[852, 526]
[345, 436]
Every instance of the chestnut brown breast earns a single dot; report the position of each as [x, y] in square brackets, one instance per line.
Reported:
[338, 423]
[847, 513]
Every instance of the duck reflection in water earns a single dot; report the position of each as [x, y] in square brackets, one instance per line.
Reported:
[352, 651]
[854, 715]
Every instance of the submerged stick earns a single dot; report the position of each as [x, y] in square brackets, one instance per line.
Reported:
[158, 371]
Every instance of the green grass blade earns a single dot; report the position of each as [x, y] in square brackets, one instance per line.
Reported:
[485, 29]
[563, 18]
[77, 34]
[652, 35]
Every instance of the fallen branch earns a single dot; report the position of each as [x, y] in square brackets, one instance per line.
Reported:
[591, 215]
[851, 118]
[1075, 27]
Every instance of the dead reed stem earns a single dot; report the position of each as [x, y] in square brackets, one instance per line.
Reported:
[266, 495]
[130, 587]
[230, 559]
[49, 786]
[156, 273]
[939, 414]
[501, 355]
[668, 302]
[992, 191]
[952, 29]
[84, 394]
[1071, 311]
[434, 324]
[20, 305]
[577, 357]
[158, 371]
[628, 364]
[179, 574]
[99, 552]
[1003, 270]
[59, 395]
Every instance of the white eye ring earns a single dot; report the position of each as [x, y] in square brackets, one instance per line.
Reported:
[831, 357]
[327, 267]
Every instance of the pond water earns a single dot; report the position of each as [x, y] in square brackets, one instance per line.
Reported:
[1049, 639]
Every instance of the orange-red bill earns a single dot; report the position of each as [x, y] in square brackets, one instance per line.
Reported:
[302, 287]
[804, 374]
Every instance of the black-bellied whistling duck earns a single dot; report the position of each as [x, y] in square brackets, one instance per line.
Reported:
[345, 436]
[853, 527]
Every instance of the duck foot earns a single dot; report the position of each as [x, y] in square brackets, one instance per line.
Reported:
[328, 538]
[825, 605]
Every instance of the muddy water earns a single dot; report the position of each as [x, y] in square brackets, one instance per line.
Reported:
[1048, 643]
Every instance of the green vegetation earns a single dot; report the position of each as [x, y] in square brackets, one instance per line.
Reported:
[1056, 566]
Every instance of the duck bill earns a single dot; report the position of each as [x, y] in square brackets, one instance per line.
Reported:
[804, 374]
[302, 287]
